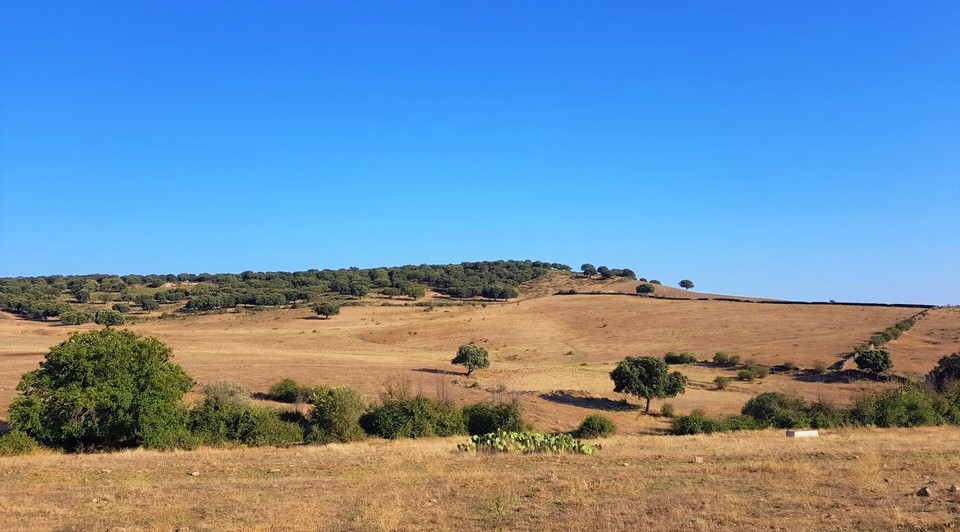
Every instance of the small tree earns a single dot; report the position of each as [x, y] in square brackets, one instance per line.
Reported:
[686, 283]
[645, 288]
[647, 377]
[326, 309]
[876, 360]
[108, 318]
[472, 357]
[149, 303]
[946, 375]
[588, 269]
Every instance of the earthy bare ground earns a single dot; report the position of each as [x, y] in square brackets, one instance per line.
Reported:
[846, 480]
[538, 345]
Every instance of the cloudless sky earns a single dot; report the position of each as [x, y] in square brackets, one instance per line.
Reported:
[806, 150]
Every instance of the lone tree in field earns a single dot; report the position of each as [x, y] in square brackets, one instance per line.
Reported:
[645, 288]
[103, 388]
[686, 283]
[326, 309]
[472, 357]
[588, 269]
[647, 377]
[876, 360]
[946, 376]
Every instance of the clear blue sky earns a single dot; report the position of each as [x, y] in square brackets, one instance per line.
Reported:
[803, 150]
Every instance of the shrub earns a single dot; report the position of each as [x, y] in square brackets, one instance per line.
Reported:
[820, 368]
[286, 391]
[946, 376]
[16, 442]
[336, 415]
[134, 399]
[483, 418]
[228, 418]
[695, 422]
[667, 410]
[722, 382]
[753, 371]
[907, 406]
[765, 407]
[108, 318]
[526, 442]
[682, 358]
[412, 417]
[76, 317]
[122, 308]
[726, 359]
[789, 366]
[595, 426]
[876, 360]
[745, 375]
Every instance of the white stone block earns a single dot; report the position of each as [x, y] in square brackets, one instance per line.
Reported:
[803, 433]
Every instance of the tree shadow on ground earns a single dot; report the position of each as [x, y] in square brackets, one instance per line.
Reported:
[594, 403]
[441, 372]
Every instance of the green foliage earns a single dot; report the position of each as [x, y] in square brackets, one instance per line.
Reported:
[907, 406]
[483, 418]
[326, 309]
[946, 376]
[588, 269]
[76, 317]
[103, 388]
[722, 382]
[401, 415]
[595, 426]
[667, 410]
[226, 416]
[16, 442]
[876, 360]
[526, 442]
[472, 357]
[108, 318]
[697, 422]
[686, 283]
[682, 358]
[647, 377]
[726, 359]
[288, 391]
[654, 281]
[336, 415]
[765, 407]
[645, 288]
[753, 371]
[149, 303]
[122, 308]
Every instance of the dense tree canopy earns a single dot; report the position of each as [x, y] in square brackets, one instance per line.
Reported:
[103, 388]
[946, 376]
[472, 357]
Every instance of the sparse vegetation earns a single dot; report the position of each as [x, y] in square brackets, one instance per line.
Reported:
[682, 358]
[722, 382]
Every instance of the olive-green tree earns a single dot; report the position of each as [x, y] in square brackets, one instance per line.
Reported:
[647, 377]
[472, 357]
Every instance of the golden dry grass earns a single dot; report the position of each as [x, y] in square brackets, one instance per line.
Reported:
[758, 480]
[936, 335]
[538, 345]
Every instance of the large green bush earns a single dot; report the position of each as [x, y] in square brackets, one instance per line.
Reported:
[483, 418]
[336, 415]
[946, 376]
[103, 388]
[682, 358]
[226, 416]
[768, 408]
[412, 417]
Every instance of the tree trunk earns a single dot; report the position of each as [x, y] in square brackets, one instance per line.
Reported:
[648, 406]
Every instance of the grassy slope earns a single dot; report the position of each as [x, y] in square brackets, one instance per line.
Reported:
[748, 480]
[538, 345]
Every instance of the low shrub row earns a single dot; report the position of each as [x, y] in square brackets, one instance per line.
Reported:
[907, 406]
[526, 442]
[682, 358]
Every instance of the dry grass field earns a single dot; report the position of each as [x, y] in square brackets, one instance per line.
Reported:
[553, 354]
[541, 344]
[845, 480]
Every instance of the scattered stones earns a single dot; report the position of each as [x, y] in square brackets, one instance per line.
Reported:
[888, 480]
[952, 488]
[194, 473]
[923, 492]
[698, 460]
[625, 464]
[274, 470]
[105, 471]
